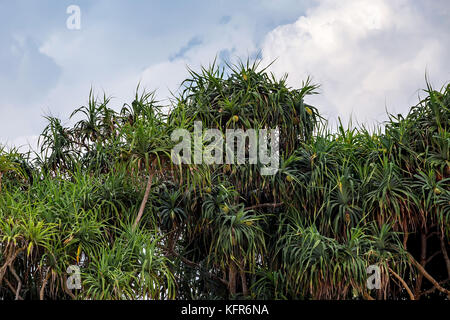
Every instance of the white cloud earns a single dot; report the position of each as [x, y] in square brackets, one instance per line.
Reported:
[236, 37]
[367, 55]
[364, 53]
[17, 122]
[96, 59]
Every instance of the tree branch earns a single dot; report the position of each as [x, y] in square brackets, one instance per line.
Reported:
[19, 282]
[144, 201]
[431, 290]
[411, 295]
[194, 264]
[264, 205]
[432, 256]
[428, 276]
[445, 254]
[44, 284]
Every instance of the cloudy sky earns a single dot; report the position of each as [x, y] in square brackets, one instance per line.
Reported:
[368, 55]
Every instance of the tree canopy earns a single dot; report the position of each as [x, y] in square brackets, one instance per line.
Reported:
[104, 195]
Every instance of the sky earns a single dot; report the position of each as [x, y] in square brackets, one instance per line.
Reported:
[369, 56]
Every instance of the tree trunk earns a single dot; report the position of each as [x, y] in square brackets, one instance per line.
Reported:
[232, 278]
[244, 283]
[44, 284]
[405, 240]
[423, 262]
[445, 254]
[144, 201]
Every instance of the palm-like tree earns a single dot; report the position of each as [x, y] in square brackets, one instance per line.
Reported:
[104, 195]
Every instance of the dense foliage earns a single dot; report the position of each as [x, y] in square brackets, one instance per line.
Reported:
[104, 195]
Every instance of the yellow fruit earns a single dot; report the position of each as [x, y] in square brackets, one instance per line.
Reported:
[289, 178]
[78, 253]
[225, 209]
[437, 190]
[68, 239]
[208, 190]
[235, 118]
[245, 77]
[309, 111]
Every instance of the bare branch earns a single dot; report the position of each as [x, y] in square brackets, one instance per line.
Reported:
[411, 295]
[264, 205]
[144, 201]
[428, 276]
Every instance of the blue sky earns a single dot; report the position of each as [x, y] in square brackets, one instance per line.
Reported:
[368, 56]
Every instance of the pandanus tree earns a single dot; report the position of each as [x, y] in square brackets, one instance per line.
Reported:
[105, 196]
[147, 145]
[10, 163]
[242, 97]
[56, 147]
